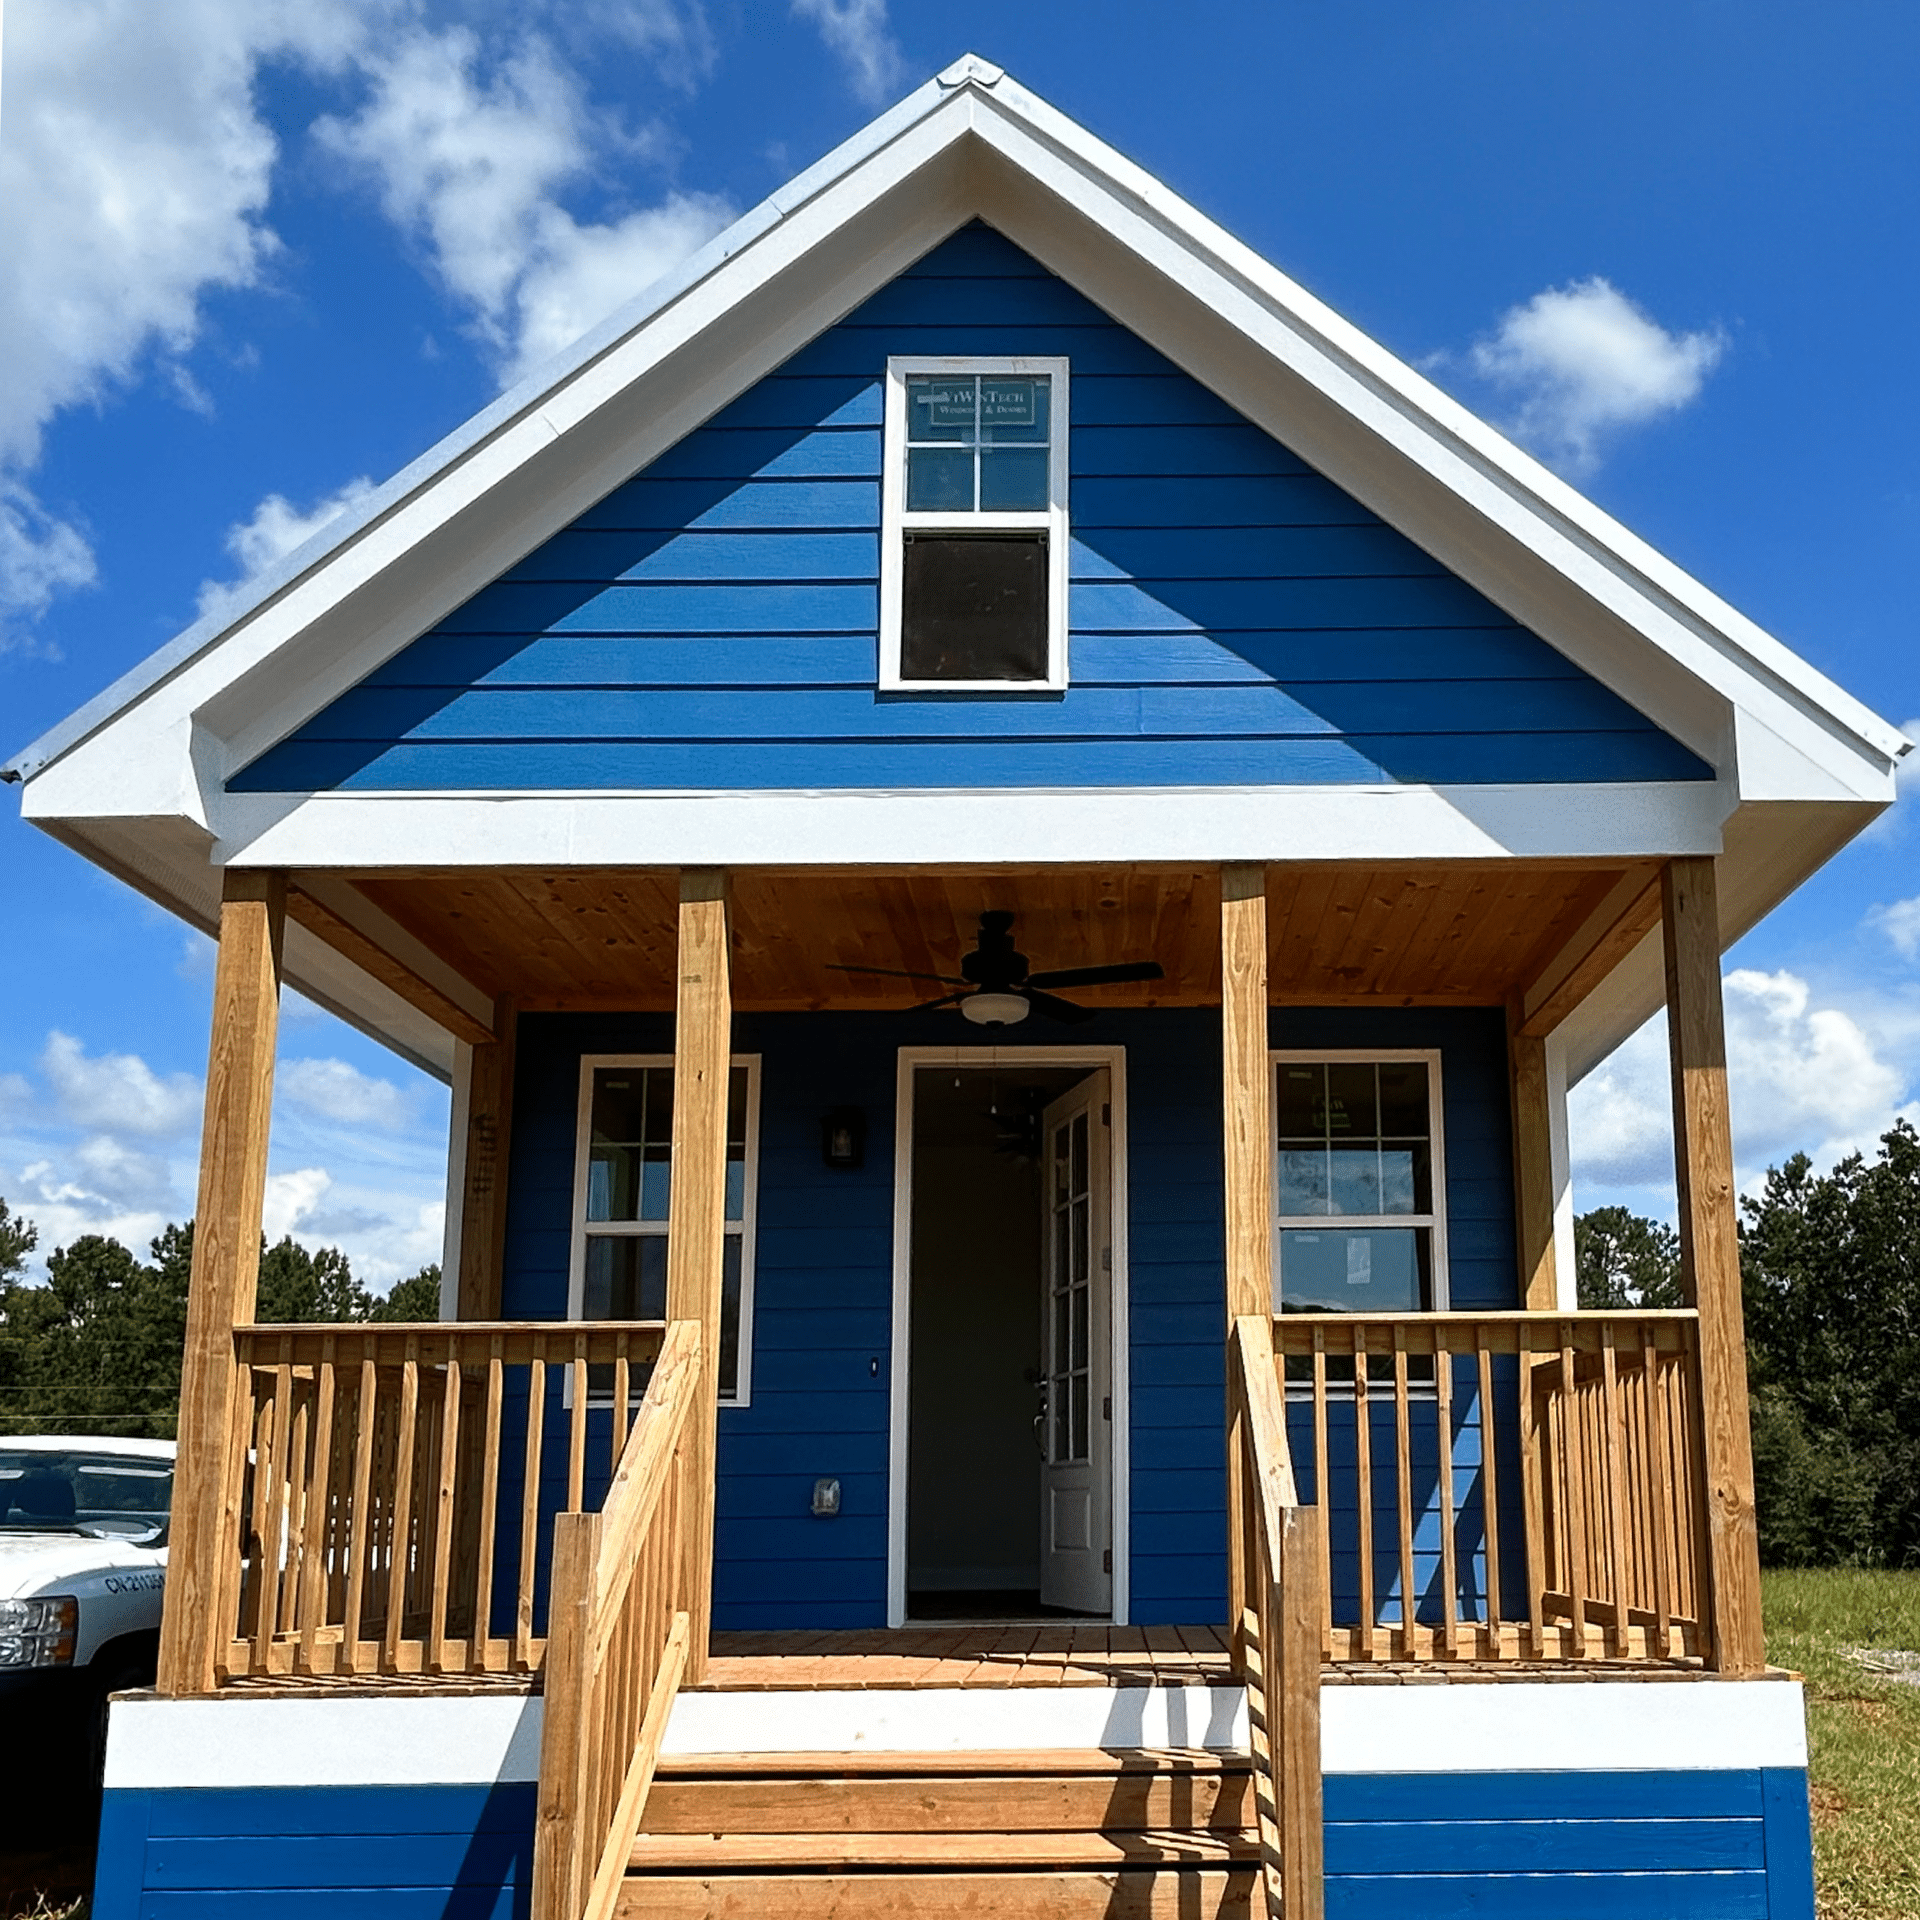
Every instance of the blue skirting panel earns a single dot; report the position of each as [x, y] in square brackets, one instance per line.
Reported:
[372, 1852]
[1691, 1844]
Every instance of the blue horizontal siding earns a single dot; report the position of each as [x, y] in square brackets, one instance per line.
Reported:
[388, 1852]
[1653, 1845]
[1235, 618]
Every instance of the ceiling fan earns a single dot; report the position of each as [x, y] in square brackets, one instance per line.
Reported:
[994, 988]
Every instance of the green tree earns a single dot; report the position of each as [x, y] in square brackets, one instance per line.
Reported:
[303, 1286]
[1831, 1265]
[415, 1298]
[1624, 1260]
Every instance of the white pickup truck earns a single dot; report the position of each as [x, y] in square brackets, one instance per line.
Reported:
[83, 1556]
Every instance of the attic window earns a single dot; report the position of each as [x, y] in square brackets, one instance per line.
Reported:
[973, 571]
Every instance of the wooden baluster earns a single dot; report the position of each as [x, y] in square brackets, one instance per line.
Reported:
[1363, 1469]
[621, 1387]
[1574, 1476]
[485, 1656]
[1403, 1489]
[313, 1603]
[1322, 1476]
[1443, 1424]
[265, 1568]
[1533, 1478]
[294, 1578]
[1490, 1494]
[273, 1534]
[400, 1552]
[577, 1434]
[362, 1543]
[1614, 1431]
[530, 1508]
[441, 1597]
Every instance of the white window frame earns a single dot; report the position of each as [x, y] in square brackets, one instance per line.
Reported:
[742, 1229]
[1435, 1222]
[896, 522]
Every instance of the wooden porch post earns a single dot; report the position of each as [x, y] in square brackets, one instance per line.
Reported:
[197, 1612]
[1246, 1100]
[1710, 1254]
[697, 1209]
[1533, 1188]
[483, 1188]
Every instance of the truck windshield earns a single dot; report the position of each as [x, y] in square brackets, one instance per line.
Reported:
[42, 1491]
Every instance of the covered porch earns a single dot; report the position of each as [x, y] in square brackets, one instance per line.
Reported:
[1499, 1479]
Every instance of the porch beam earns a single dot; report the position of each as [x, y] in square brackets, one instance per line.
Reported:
[1710, 1253]
[203, 1572]
[1533, 1182]
[1247, 1131]
[482, 1198]
[697, 1208]
[328, 924]
[1610, 932]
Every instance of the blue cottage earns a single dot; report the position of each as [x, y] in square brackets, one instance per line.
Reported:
[1010, 836]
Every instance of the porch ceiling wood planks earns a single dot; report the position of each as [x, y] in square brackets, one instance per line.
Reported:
[1417, 934]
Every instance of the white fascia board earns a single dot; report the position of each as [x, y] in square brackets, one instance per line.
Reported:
[959, 827]
[1444, 478]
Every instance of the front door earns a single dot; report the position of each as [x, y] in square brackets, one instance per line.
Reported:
[1076, 1505]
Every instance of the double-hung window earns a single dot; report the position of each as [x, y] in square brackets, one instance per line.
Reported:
[1361, 1218]
[973, 559]
[622, 1178]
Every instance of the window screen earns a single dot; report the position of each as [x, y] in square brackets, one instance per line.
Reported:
[973, 606]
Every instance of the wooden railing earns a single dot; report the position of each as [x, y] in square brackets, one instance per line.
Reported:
[617, 1647]
[1278, 1646]
[1506, 1485]
[371, 1475]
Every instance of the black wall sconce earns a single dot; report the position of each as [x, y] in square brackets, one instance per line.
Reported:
[843, 1138]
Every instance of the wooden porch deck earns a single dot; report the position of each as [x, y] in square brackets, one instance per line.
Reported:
[1066, 1654]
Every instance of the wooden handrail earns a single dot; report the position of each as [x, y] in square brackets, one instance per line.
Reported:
[619, 1639]
[1279, 1639]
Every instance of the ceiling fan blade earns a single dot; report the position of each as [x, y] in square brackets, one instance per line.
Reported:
[1055, 1008]
[1098, 976]
[899, 973]
[945, 1000]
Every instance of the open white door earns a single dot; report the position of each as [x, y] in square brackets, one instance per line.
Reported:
[1076, 1505]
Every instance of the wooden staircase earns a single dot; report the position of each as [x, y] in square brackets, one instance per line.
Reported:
[1121, 1835]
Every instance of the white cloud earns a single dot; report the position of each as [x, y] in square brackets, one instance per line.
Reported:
[1900, 922]
[333, 1090]
[133, 179]
[1583, 362]
[118, 1092]
[857, 32]
[470, 164]
[1804, 1078]
[275, 528]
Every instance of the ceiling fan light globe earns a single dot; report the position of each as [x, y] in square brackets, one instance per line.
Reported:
[995, 1009]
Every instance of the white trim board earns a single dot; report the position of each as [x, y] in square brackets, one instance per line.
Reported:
[977, 1058]
[1563, 1726]
[339, 1739]
[959, 1719]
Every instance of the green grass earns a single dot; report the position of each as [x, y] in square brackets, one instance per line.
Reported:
[1865, 1733]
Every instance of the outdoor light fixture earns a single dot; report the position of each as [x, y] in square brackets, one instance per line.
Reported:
[995, 1009]
[843, 1138]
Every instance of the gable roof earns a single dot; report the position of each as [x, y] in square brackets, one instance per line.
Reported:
[137, 778]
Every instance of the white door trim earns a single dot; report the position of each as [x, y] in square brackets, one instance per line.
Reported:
[1114, 1059]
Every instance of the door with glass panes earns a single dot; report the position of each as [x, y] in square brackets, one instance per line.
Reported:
[1076, 1507]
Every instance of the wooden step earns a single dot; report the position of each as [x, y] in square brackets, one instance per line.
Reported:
[1084, 1849]
[1204, 1893]
[952, 1793]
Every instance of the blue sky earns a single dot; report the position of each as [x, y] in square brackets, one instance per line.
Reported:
[255, 253]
